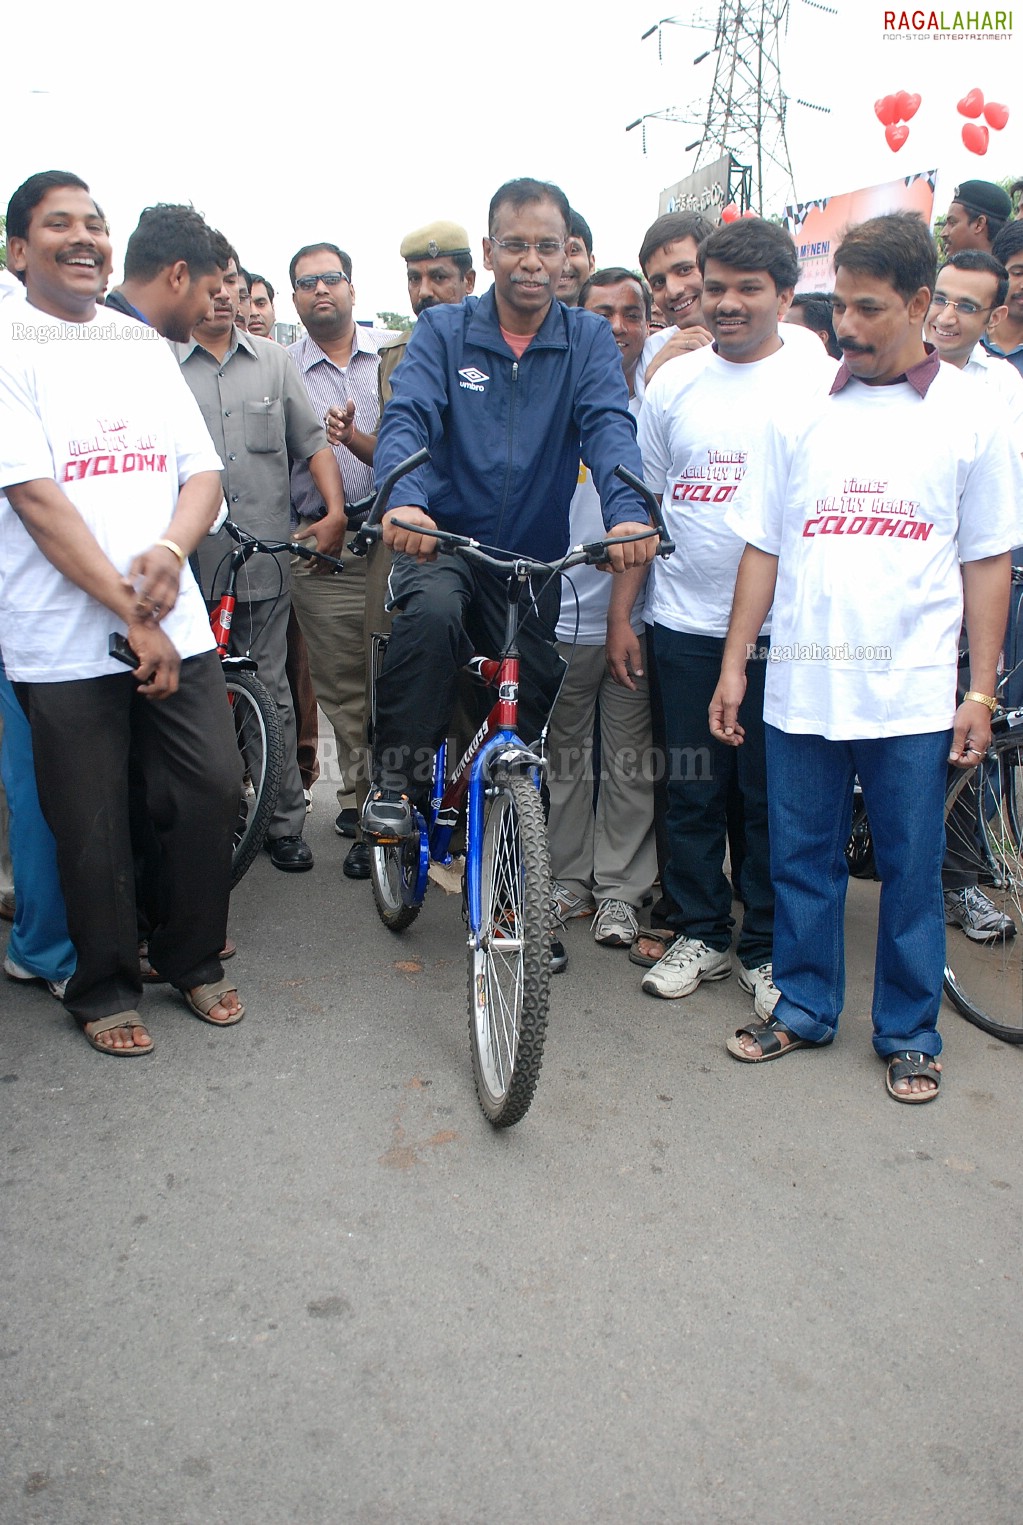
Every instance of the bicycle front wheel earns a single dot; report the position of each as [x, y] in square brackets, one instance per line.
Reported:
[984, 943]
[509, 973]
[257, 729]
[394, 874]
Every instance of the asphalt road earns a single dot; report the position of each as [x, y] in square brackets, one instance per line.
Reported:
[287, 1272]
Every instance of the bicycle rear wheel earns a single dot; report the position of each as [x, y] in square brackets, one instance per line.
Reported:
[509, 973]
[257, 729]
[983, 816]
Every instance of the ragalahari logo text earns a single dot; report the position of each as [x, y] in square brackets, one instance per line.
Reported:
[947, 26]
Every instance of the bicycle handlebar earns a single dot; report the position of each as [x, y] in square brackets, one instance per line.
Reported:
[517, 565]
[594, 553]
[254, 546]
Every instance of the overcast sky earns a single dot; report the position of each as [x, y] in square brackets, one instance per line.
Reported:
[359, 123]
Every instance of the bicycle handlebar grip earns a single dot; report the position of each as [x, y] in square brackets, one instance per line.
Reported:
[296, 548]
[623, 473]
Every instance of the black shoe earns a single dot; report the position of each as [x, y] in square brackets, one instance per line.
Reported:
[347, 823]
[387, 816]
[356, 864]
[559, 958]
[290, 853]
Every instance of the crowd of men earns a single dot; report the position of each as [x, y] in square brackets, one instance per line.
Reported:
[837, 470]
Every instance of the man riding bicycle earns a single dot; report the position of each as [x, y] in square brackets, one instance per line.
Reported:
[505, 391]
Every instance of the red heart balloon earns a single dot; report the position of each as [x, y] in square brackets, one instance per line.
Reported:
[971, 105]
[906, 106]
[897, 134]
[995, 115]
[975, 137]
[730, 212]
[884, 110]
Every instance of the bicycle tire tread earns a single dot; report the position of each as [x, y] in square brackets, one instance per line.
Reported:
[506, 1110]
[248, 848]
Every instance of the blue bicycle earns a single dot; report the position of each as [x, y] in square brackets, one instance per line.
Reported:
[506, 889]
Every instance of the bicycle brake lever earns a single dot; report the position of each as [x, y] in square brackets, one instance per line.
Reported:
[364, 537]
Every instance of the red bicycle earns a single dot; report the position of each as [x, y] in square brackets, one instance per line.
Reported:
[257, 724]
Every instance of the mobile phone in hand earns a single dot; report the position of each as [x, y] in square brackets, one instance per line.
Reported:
[119, 647]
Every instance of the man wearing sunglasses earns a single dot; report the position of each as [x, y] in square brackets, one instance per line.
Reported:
[339, 365]
[506, 391]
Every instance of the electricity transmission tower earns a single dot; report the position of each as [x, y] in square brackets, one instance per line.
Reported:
[746, 108]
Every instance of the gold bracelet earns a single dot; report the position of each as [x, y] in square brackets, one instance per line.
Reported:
[169, 545]
[985, 699]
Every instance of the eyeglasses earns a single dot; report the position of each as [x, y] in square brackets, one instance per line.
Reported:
[547, 248]
[968, 309]
[328, 277]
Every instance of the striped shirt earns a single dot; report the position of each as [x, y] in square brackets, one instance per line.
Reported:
[330, 385]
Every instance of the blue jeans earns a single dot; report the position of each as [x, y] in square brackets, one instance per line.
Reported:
[702, 774]
[903, 782]
[39, 939]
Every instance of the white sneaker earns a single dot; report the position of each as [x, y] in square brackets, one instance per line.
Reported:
[568, 905]
[686, 963]
[978, 916]
[15, 971]
[615, 924]
[760, 984]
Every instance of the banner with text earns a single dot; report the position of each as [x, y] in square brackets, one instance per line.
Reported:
[817, 226]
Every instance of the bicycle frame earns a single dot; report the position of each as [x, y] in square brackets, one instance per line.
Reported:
[223, 615]
[497, 738]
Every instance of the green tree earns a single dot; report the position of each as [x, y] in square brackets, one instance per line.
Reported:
[397, 321]
[3, 242]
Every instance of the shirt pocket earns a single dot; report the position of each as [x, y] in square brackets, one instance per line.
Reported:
[264, 425]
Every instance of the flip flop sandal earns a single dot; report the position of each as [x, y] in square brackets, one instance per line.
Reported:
[771, 1046]
[907, 1064]
[152, 976]
[203, 998]
[108, 1025]
[663, 935]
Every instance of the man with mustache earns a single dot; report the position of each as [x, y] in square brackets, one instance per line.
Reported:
[891, 506]
[503, 390]
[438, 263]
[1006, 338]
[704, 420]
[258, 414]
[261, 311]
[109, 481]
[338, 363]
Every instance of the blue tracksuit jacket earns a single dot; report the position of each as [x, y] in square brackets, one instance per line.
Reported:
[506, 435]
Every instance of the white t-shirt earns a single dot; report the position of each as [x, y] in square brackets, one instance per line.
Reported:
[1004, 379]
[800, 337]
[653, 346]
[593, 587]
[108, 416]
[702, 421]
[870, 507]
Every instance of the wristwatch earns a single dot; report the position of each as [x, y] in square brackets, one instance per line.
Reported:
[985, 699]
